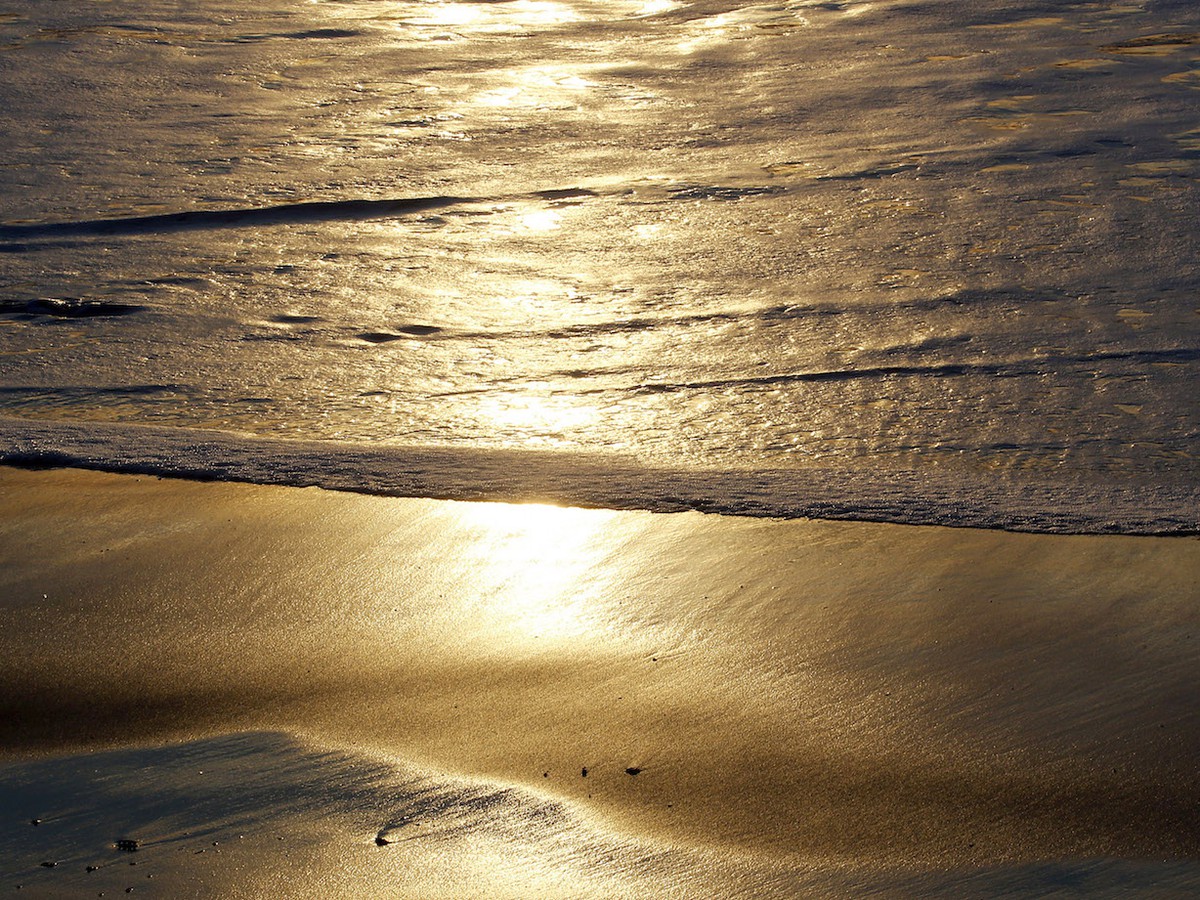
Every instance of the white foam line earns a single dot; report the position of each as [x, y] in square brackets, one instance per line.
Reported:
[933, 497]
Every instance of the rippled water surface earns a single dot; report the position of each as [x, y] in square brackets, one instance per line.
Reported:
[867, 237]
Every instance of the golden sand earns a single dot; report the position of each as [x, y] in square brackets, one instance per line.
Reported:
[762, 707]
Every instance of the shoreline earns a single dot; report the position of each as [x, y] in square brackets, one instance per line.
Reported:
[827, 699]
[947, 492]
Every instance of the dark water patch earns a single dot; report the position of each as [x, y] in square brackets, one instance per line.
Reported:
[68, 308]
[718, 192]
[566, 194]
[275, 337]
[1175, 354]
[930, 345]
[288, 319]
[1072, 152]
[419, 330]
[209, 220]
[871, 174]
[1025, 368]
[76, 392]
[1154, 43]
[312, 34]
[1007, 296]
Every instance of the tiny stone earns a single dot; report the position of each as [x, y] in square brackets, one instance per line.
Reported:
[633, 770]
[92, 868]
[583, 772]
[381, 841]
[35, 821]
[128, 844]
[49, 865]
[545, 774]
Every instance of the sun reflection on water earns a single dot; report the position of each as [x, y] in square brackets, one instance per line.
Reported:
[541, 220]
[511, 16]
[534, 419]
[535, 88]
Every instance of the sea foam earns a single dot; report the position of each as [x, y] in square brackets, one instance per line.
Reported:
[935, 496]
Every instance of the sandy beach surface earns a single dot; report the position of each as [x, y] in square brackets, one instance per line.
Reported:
[295, 692]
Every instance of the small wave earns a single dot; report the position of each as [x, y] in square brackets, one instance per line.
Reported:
[248, 217]
[91, 390]
[15, 236]
[312, 34]
[1020, 368]
[67, 308]
[939, 495]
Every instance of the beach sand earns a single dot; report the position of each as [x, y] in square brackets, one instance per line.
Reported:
[295, 692]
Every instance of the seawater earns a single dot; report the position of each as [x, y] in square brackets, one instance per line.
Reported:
[915, 260]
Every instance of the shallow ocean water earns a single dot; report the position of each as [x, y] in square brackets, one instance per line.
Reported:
[928, 249]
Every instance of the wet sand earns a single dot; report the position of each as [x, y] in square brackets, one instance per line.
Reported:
[762, 707]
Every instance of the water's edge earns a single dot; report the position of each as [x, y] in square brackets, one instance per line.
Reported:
[936, 496]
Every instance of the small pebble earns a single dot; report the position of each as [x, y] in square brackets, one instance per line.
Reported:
[49, 865]
[92, 868]
[633, 770]
[128, 844]
[35, 821]
[584, 772]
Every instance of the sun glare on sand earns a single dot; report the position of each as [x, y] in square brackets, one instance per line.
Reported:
[533, 565]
